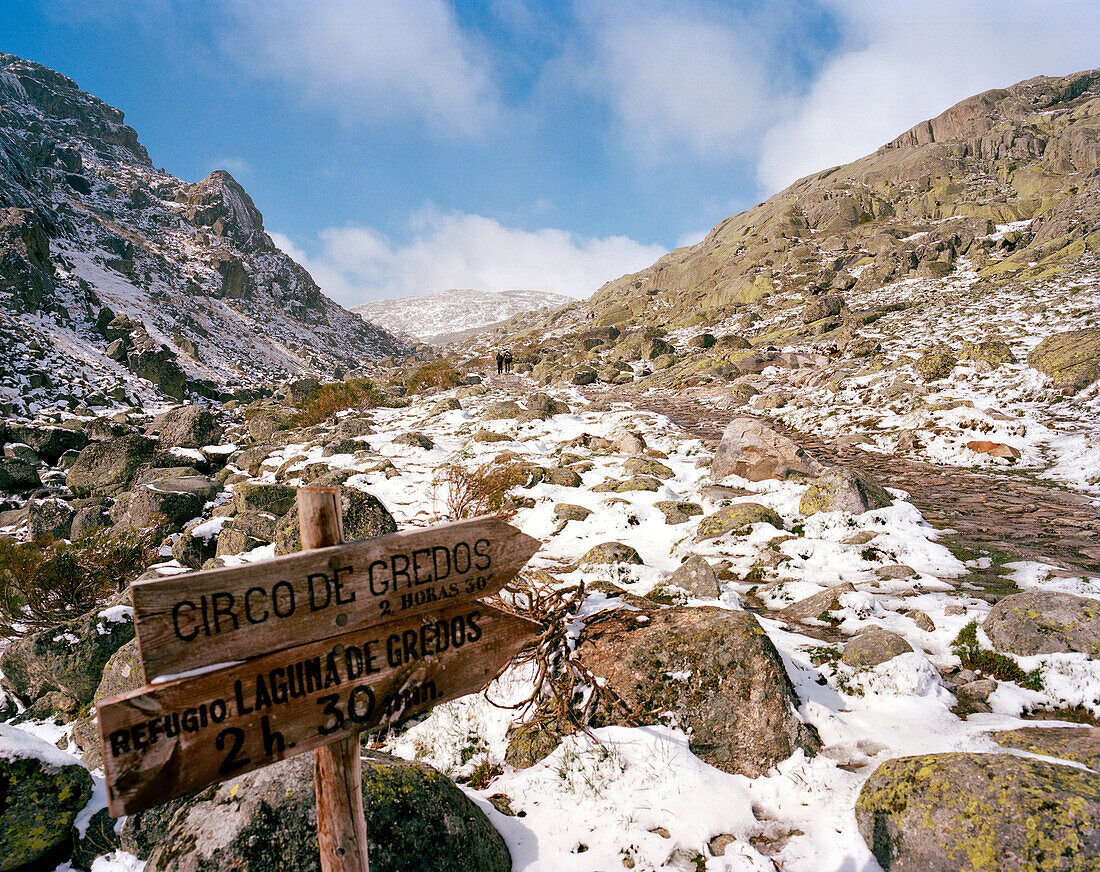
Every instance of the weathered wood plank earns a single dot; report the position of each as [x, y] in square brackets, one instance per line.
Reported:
[173, 738]
[200, 619]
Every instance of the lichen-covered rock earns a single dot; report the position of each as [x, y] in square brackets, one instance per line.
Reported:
[874, 646]
[611, 552]
[1080, 744]
[990, 351]
[637, 483]
[844, 490]
[418, 821]
[678, 511]
[715, 670]
[106, 468]
[983, 812]
[187, 427]
[569, 512]
[1044, 622]
[173, 501]
[823, 307]
[751, 449]
[1071, 358]
[934, 365]
[584, 377]
[530, 743]
[502, 410]
[697, 577]
[49, 443]
[364, 518]
[69, 658]
[122, 672]
[43, 790]
[648, 466]
[736, 519]
[563, 477]
[416, 440]
[546, 406]
[254, 496]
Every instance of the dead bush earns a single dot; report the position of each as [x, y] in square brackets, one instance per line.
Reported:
[47, 582]
[327, 400]
[438, 375]
[483, 490]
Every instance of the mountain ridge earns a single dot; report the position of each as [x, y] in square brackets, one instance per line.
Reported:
[202, 301]
[454, 314]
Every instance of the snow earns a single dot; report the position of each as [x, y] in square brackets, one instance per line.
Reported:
[17, 744]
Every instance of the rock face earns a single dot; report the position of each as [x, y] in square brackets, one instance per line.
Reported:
[42, 790]
[17, 475]
[188, 427]
[418, 822]
[106, 468]
[945, 812]
[844, 490]
[1043, 622]
[752, 450]
[69, 658]
[1072, 358]
[716, 670]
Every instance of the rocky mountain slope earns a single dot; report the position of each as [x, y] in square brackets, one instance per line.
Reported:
[1030, 152]
[453, 315]
[940, 292]
[117, 277]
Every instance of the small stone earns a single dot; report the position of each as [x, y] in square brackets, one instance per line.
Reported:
[874, 646]
[737, 519]
[696, 576]
[993, 449]
[611, 552]
[678, 512]
[896, 570]
[567, 512]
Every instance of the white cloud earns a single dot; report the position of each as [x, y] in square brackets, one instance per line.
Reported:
[693, 76]
[905, 62]
[369, 61]
[457, 250]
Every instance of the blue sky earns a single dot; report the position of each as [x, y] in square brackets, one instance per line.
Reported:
[408, 147]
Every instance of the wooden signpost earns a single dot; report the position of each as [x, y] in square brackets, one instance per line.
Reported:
[254, 664]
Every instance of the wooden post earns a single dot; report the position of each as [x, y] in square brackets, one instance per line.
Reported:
[337, 772]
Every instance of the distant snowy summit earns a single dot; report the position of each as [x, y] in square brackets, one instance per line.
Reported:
[453, 315]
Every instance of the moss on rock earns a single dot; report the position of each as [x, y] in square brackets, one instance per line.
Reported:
[981, 812]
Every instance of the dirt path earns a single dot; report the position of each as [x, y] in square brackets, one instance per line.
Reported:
[1009, 514]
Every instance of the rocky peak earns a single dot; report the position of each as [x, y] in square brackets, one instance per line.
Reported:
[976, 116]
[53, 118]
[220, 203]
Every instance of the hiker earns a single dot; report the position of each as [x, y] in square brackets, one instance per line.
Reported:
[500, 362]
[507, 361]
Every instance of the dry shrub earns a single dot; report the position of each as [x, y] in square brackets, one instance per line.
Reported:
[45, 583]
[437, 375]
[327, 400]
[468, 493]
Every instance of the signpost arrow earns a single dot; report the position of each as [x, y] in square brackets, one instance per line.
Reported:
[201, 619]
[164, 740]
